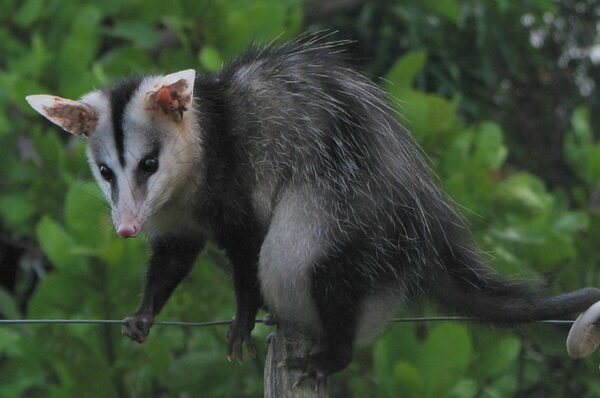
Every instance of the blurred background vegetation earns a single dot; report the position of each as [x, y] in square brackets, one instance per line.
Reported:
[502, 95]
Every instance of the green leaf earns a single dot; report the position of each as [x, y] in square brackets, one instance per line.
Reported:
[593, 165]
[382, 365]
[295, 19]
[465, 388]
[556, 248]
[5, 127]
[572, 222]
[113, 251]
[428, 117]
[58, 294]
[580, 120]
[579, 148]
[257, 21]
[140, 34]
[8, 305]
[526, 191]
[407, 380]
[456, 157]
[498, 358]
[84, 210]
[490, 151]
[51, 150]
[449, 9]
[445, 357]
[180, 25]
[78, 51]
[398, 343]
[8, 341]
[124, 60]
[16, 208]
[517, 235]
[403, 72]
[29, 12]
[210, 58]
[38, 57]
[56, 243]
[504, 386]
[19, 381]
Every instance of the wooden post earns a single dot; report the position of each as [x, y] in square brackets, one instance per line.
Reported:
[279, 380]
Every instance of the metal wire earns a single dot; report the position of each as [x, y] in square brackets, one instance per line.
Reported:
[264, 321]
[471, 319]
[108, 321]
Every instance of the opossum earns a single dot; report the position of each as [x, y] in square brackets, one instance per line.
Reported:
[296, 166]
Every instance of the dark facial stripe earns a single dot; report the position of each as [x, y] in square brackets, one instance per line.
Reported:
[114, 191]
[141, 177]
[120, 94]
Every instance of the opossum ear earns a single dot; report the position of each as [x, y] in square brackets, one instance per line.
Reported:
[72, 116]
[172, 94]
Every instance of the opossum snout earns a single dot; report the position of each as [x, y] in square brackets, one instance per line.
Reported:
[128, 230]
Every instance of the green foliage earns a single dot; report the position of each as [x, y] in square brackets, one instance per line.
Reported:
[432, 369]
[47, 202]
[581, 150]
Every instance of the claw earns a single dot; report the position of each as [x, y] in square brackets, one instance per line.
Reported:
[238, 334]
[310, 368]
[301, 378]
[251, 346]
[316, 375]
[297, 382]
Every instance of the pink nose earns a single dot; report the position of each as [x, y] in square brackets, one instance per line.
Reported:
[127, 230]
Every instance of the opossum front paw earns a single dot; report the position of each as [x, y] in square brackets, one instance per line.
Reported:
[137, 327]
[240, 333]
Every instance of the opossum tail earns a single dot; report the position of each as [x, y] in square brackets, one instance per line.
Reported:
[469, 287]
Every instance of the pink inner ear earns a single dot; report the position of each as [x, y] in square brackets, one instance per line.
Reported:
[164, 98]
[172, 99]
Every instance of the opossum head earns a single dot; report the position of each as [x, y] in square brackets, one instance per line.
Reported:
[142, 141]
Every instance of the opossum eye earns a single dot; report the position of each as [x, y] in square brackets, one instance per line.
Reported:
[149, 165]
[106, 172]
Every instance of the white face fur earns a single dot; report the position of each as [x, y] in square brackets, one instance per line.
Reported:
[142, 142]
